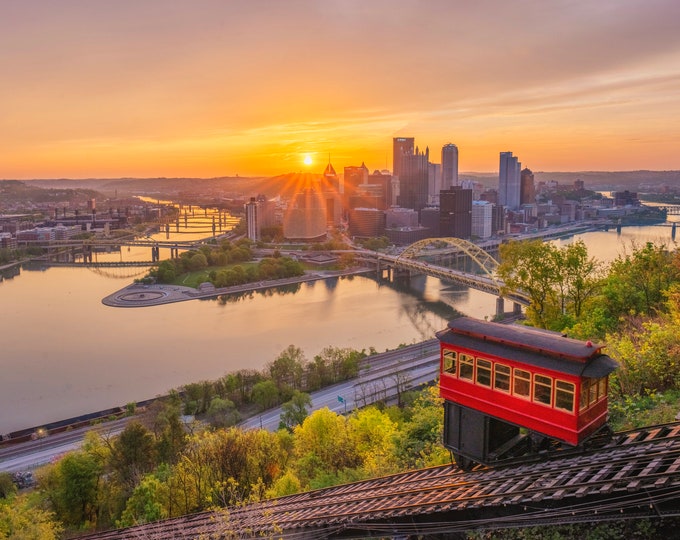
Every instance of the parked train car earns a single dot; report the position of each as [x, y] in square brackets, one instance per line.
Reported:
[508, 384]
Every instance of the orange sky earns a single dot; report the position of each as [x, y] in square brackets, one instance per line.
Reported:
[138, 88]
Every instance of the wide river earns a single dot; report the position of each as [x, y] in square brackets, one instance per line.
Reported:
[63, 353]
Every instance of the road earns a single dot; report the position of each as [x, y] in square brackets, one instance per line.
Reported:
[31, 454]
[381, 378]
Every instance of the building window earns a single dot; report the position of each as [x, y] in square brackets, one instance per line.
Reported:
[484, 372]
[542, 389]
[501, 378]
[522, 383]
[564, 396]
[467, 367]
[450, 362]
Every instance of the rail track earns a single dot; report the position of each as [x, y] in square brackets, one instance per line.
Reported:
[636, 475]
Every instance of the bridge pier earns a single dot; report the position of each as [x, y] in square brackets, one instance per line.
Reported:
[673, 230]
[500, 307]
[516, 308]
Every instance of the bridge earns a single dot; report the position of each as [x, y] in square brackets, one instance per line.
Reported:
[485, 280]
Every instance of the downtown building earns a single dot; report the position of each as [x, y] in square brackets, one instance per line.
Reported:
[449, 166]
[414, 180]
[455, 213]
[509, 181]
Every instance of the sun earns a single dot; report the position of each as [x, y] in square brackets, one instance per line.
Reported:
[307, 160]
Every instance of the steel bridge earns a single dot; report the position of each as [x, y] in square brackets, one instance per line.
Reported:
[486, 280]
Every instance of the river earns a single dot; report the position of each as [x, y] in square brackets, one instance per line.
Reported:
[64, 353]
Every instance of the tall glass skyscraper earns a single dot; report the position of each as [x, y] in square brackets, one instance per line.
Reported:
[449, 166]
[509, 181]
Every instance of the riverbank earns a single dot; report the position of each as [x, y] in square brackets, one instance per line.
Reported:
[146, 295]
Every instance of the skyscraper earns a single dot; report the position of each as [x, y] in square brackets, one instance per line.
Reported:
[449, 166]
[455, 212]
[400, 146]
[527, 192]
[509, 181]
[414, 180]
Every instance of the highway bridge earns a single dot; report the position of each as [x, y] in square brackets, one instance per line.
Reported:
[416, 258]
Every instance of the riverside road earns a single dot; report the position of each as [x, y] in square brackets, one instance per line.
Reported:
[382, 377]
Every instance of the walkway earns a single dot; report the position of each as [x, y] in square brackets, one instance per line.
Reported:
[142, 295]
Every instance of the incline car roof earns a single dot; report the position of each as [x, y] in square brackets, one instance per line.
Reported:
[549, 350]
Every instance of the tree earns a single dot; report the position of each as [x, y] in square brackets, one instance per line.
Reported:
[148, 502]
[530, 267]
[559, 282]
[222, 413]
[287, 370]
[637, 282]
[21, 520]
[295, 411]
[7, 485]
[265, 394]
[323, 445]
[132, 455]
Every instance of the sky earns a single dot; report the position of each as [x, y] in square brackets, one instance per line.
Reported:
[206, 88]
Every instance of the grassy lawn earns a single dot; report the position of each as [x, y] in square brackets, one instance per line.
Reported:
[194, 279]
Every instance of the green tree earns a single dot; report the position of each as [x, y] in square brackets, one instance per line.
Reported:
[149, 502]
[132, 455]
[265, 394]
[296, 410]
[531, 267]
[7, 486]
[637, 282]
[287, 370]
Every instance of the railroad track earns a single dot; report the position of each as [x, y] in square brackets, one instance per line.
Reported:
[636, 475]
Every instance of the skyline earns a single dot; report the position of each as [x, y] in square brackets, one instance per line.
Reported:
[211, 88]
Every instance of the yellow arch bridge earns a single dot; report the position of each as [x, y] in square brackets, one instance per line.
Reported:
[485, 280]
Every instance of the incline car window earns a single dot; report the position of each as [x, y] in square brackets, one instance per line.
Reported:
[467, 367]
[501, 378]
[542, 389]
[484, 372]
[450, 362]
[522, 385]
[564, 396]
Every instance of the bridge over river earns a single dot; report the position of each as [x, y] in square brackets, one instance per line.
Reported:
[414, 259]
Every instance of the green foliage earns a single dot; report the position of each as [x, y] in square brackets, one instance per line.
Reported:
[632, 411]
[132, 455]
[22, 520]
[638, 281]
[265, 394]
[7, 485]
[149, 502]
[295, 410]
[649, 356]
[560, 283]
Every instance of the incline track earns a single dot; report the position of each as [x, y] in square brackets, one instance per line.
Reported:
[636, 475]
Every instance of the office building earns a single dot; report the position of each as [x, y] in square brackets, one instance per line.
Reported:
[305, 218]
[482, 215]
[401, 146]
[252, 222]
[414, 180]
[455, 212]
[509, 181]
[527, 193]
[449, 166]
